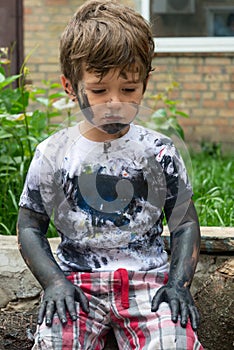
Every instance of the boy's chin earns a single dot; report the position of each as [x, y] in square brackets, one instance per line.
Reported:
[113, 128]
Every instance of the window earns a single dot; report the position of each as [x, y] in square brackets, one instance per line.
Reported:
[191, 25]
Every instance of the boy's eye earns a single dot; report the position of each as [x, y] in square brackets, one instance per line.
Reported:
[129, 89]
[99, 91]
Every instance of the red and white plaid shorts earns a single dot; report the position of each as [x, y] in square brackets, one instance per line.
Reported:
[120, 300]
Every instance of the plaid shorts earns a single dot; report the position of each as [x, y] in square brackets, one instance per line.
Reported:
[120, 300]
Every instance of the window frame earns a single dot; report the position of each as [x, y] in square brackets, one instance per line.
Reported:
[189, 44]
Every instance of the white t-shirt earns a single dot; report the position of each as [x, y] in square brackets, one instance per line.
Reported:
[107, 198]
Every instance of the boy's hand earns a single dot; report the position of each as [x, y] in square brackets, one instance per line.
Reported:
[181, 303]
[60, 297]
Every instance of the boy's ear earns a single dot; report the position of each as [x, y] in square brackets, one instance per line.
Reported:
[68, 88]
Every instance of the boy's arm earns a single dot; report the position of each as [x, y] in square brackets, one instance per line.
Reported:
[185, 247]
[59, 293]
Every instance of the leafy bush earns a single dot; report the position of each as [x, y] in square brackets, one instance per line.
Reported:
[20, 132]
[165, 119]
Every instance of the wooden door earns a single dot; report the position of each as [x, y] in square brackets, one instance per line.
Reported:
[11, 31]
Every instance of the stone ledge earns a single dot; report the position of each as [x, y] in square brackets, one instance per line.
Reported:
[17, 284]
[213, 239]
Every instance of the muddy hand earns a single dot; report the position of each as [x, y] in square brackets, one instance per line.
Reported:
[60, 297]
[181, 303]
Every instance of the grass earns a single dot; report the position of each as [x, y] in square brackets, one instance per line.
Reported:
[213, 184]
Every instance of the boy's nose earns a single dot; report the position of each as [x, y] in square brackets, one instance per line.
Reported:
[113, 98]
[114, 103]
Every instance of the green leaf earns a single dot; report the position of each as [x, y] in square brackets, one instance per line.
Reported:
[54, 114]
[8, 232]
[171, 102]
[5, 159]
[2, 77]
[55, 86]
[57, 95]
[159, 113]
[182, 114]
[173, 110]
[13, 199]
[7, 169]
[6, 81]
[2, 70]
[43, 100]
[5, 136]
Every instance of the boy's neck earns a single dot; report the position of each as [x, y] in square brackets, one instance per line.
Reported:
[93, 133]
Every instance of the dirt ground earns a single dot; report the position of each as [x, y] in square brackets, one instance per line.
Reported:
[16, 329]
[214, 301]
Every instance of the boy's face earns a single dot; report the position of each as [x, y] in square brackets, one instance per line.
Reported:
[110, 104]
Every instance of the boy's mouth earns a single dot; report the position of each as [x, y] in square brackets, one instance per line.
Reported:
[113, 118]
[113, 128]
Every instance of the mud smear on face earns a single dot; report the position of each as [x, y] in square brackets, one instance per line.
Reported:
[113, 128]
[84, 102]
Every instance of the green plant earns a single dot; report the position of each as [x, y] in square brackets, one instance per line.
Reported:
[213, 185]
[22, 127]
[210, 173]
[165, 119]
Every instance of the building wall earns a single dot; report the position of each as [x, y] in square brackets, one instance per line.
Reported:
[206, 80]
[206, 93]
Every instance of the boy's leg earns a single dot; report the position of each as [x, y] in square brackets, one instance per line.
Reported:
[89, 331]
[138, 328]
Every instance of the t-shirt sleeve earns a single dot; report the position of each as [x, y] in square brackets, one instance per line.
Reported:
[38, 192]
[178, 186]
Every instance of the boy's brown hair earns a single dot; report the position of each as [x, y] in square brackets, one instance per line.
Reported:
[103, 35]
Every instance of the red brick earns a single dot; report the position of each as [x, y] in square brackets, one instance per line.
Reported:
[209, 132]
[185, 69]
[209, 69]
[231, 105]
[227, 113]
[208, 95]
[227, 87]
[232, 95]
[192, 77]
[195, 61]
[225, 96]
[161, 68]
[217, 77]
[222, 61]
[203, 113]
[27, 11]
[215, 86]
[189, 122]
[187, 95]
[195, 86]
[214, 103]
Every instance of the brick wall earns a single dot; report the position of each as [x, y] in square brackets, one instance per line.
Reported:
[206, 81]
[206, 91]
[44, 21]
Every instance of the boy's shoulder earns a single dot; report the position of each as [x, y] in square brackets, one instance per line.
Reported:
[152, 136]
[59, 139]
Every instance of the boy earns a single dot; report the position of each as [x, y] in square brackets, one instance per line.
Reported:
[108, 183]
